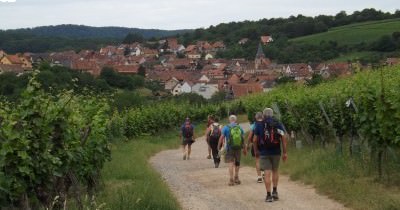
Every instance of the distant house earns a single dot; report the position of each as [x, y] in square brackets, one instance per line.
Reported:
[240, 90]
[127, 69]
[171, 83]
[266, 39]
[204, 79]
[2, 54]
[243, 41]
[17, 69]
[205, 90]
[389, 61]
[194, 55]
[89, 66]
[300, 71]
[208, 56]
[11, 60]
[181, 88]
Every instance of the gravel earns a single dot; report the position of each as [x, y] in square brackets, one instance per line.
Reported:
[198, 185]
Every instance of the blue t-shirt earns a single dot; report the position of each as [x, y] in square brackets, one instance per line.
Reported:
[226, 132]
[259, 132]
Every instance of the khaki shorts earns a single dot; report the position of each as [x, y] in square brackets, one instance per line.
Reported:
[233, 156]
[270, 162]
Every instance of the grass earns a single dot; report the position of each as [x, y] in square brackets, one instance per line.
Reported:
[130, 182]
[354, 56]
[351, 181]
[355, 33]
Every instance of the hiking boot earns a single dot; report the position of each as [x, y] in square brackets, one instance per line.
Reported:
[209, 157]
[188, 157]
[216, 165]
[269, 198]
[259, 180]
[237, 181]
[275, 196]
[231, 182]
[184, 156]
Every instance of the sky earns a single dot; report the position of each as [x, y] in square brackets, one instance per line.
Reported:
[168, 14]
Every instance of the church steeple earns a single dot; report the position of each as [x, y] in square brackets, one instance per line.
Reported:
[260, 52]
[260, 56]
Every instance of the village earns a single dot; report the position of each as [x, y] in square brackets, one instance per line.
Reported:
[185, 69]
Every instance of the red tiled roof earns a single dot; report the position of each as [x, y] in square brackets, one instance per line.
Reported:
[240, 90]
[127, 69]
[14, 59]
[265, 39]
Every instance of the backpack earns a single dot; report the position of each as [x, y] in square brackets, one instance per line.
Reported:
[272, 138]
[235, 137]
[188, 130]
[215, 132]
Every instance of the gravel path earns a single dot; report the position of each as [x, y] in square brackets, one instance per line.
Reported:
[197, 185]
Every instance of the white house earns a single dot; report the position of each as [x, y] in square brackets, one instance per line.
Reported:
[205, 90]
[181, 88]
[171, 83]
[208, 56]
[204, 79]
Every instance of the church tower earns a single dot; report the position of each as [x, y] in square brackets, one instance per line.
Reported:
[260, 56]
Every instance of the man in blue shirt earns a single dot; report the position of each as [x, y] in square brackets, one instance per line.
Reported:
[267, 145]
[233, 141]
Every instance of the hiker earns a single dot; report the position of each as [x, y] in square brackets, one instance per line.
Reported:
[210, 121]
[213, 135]
[187, 135]
[233, 141]
[267, 145]
[257, 120]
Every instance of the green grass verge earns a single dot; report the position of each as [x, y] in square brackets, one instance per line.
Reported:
[130, 182]
[351, 181]
[354, 33]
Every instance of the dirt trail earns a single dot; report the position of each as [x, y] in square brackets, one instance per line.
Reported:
[197, 185]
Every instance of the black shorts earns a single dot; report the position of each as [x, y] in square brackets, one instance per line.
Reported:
[187, 142]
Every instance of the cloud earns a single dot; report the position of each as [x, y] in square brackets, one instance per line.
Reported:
[168, 14]
[7, 1]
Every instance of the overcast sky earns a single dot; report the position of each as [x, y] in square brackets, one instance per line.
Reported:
[168, 14]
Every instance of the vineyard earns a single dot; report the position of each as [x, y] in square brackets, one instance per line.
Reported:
[54, 145]
[365, 109]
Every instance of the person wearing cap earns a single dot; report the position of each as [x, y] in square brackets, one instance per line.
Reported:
[269, 137]
[187, 136]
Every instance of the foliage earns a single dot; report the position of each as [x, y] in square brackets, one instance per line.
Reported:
[132, 38]
[325, 112]
[51, 144]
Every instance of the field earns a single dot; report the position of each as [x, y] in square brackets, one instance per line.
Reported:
[355, 33]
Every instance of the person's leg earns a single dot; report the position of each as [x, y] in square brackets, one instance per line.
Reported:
[267, 180]
[184, 150]
[209, 152]
[189, 150]
[231, 168]
[214, 150]
[275, 176]
[258, 167]
[237, 166]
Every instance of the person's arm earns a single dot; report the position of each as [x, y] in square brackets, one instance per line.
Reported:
[255, 146]
[284, 148]
[208, 131]
[221, 141]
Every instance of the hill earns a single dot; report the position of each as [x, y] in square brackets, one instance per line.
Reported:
[70, 37]
[81, 31]
[354, 33]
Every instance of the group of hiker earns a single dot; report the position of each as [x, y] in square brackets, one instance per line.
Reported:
[266, 141]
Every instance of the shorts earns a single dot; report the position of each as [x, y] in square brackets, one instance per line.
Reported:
[187, 142]
[269, 162]
[233, 155]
